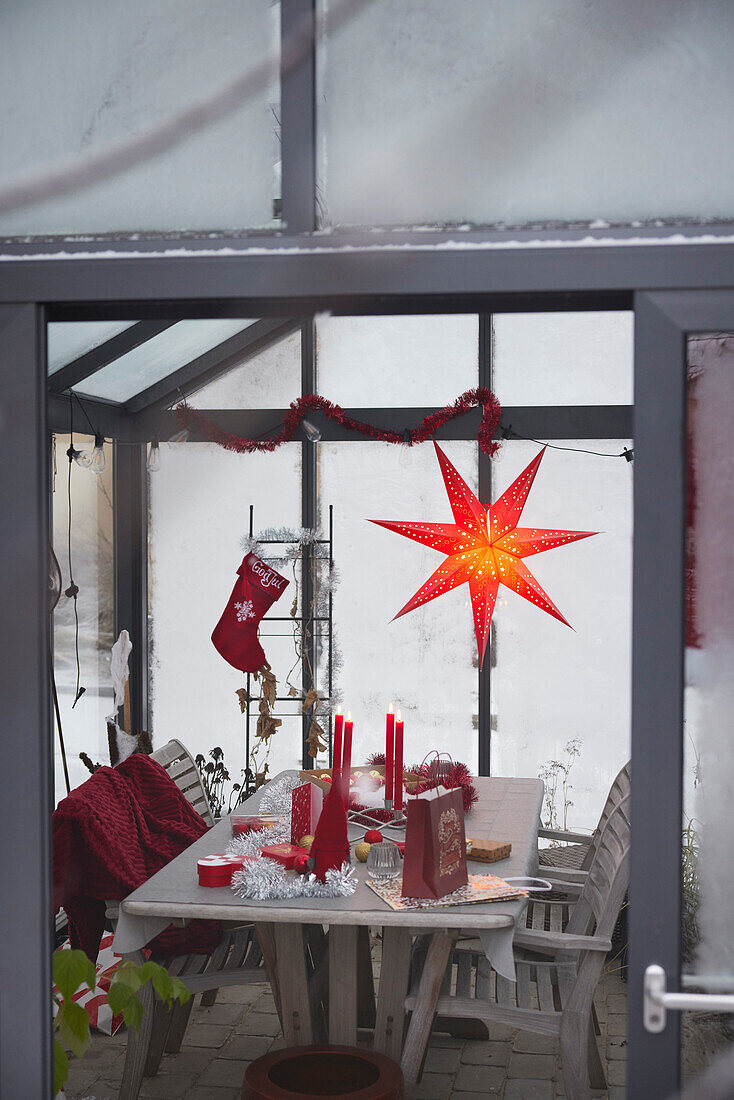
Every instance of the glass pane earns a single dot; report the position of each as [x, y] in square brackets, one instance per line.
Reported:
[158, 357]
[270, 380]
[67, 340]
[425, 662]
[557, 691]
[517, 114]
[81, 77]
[199, 511]
[563, 358]
[83, 726]
[708, 890]
[370, 362]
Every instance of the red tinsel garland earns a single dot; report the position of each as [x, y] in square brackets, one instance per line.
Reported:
[491, 412]
[458, 775]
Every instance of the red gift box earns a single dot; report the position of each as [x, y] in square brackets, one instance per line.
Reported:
[217, 870]
[248, 823]
[283, 853]
[434, 861]
[306, 805]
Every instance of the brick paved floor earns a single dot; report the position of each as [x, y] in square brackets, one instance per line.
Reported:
[242, 1025]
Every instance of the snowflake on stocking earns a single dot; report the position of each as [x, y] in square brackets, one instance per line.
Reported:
[245, 611]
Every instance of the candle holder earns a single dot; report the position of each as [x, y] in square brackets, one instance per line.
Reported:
[364, 819]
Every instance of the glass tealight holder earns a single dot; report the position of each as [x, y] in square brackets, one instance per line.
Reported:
[383, 861]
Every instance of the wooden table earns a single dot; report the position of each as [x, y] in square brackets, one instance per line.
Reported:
[307, 967]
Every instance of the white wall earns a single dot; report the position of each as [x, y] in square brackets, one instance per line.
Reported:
[199, 511]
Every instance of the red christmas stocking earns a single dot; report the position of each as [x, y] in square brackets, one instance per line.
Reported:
[235, 635]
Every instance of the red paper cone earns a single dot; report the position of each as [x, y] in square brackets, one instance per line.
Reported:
[330, 846]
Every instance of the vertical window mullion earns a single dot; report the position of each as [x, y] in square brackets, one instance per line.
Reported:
[308, 519]
[485, 495]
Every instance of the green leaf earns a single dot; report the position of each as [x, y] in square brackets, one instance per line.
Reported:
[163, 984]
[71, 969]
[133, 1012]
[180, 992]
[61, 1066]
[129, 974]
[73, 1023]
[119, 997]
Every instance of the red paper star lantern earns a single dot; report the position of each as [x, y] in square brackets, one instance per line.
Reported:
[485, 547]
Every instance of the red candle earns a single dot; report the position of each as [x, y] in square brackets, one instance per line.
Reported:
[389, 753]
[346, 770]
[336, 750]
[398, 780]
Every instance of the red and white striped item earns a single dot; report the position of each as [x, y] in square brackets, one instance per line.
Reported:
[217, 870]
[95, 1002]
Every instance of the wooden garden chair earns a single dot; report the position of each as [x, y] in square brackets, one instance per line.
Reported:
[237, 960]
[571, 862]
[552, 995]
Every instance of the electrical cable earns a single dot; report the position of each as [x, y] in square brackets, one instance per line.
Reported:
[73, 590]
[508, 433]
[86, 414]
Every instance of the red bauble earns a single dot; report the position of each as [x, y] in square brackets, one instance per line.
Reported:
[373, 836]
[300, 864]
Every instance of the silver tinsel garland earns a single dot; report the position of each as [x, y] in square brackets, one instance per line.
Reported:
[266, 880]
[276, 798]
[249, 844]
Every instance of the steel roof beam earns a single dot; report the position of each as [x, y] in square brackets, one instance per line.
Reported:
[92, 361]
[212, 364]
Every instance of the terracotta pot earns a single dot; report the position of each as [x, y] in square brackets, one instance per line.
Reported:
[344, 1073]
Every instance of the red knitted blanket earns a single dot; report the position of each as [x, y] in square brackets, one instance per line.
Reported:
[109, 836]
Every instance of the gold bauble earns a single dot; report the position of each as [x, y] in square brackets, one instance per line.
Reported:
[361, 851]
[306, 842]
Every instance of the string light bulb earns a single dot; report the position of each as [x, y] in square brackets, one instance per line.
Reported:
[311, 432]
[93, 460]
[97, 458]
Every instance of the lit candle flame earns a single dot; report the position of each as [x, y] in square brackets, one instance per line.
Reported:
[349, 716]
[400, 717]
[391, 709]
[339, 710]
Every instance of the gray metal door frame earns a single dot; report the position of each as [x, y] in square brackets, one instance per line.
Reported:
[25, 715]
[663, 322]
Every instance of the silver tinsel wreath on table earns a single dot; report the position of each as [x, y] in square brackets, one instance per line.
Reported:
[265, 880]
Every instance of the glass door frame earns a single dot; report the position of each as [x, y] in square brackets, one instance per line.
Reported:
[663, 322]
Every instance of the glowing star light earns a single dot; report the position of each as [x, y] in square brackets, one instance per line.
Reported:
[484, 547]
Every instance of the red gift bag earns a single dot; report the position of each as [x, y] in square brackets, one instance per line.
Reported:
[435, 845]
[306, 804]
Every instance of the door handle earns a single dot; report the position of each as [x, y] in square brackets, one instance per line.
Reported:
[657, 1001]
